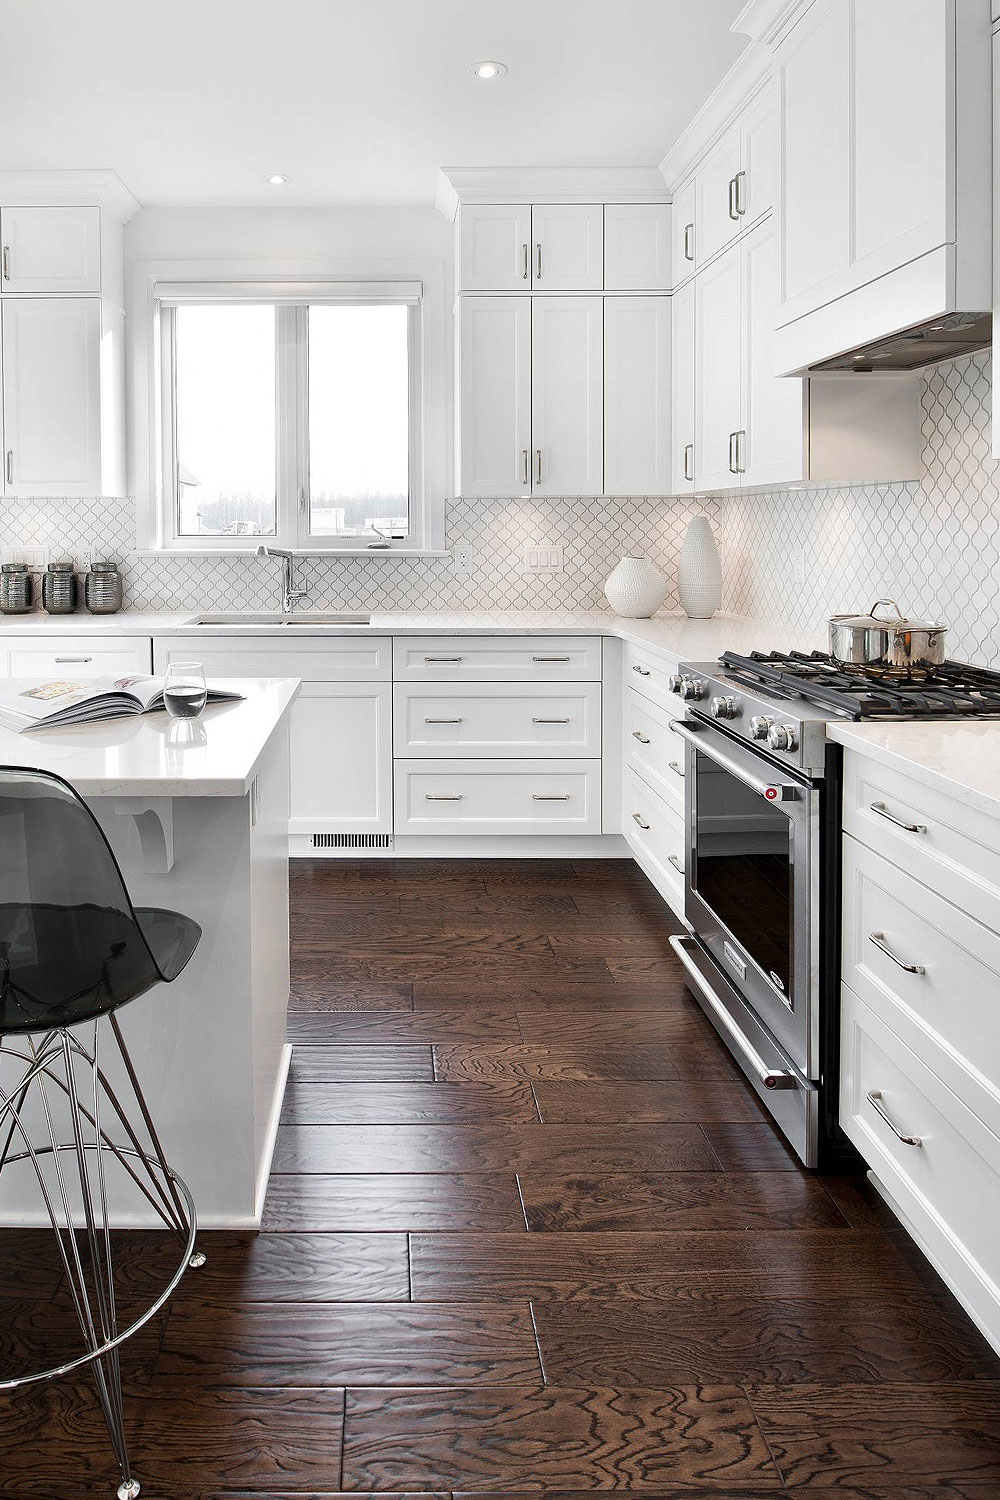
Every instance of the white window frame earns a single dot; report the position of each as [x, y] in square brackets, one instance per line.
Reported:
[161, 286]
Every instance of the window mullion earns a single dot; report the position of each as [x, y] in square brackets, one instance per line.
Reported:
[285, 395]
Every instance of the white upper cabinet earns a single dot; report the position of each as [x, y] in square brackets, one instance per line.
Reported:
[494, 248]
[637, 247]
[494, 396]
[884, 156]
[54, 250]
[757, 181]
[567, 247]
[683, 388]
[718, 362]
[718, 219]
[567, 407]
[684, 239]
[771, 447]
[52, 419]
[637, 395]
[735, 182]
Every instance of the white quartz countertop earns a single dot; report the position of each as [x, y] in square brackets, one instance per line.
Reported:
[675, 635]
[956, 757]
[154, 755]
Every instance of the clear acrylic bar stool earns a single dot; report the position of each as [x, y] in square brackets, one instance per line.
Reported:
[73, 951]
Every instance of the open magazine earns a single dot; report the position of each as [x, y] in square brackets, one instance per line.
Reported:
[29, 705]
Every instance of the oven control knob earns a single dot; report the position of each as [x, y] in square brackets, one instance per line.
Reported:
[675, 684]
[692, 688]
[724, 708]
[759, 727]
[783, 737]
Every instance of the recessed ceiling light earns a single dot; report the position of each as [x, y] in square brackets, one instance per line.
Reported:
[277, 179]
[488, 70]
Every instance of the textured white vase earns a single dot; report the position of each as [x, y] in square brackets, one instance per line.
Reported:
[635, 589]
[699, 572]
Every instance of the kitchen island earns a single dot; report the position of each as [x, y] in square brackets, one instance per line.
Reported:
[196, 812]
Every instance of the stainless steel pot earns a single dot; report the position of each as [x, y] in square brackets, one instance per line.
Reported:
[902, 647]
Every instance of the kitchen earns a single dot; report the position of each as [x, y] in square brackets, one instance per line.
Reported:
[578, 1075]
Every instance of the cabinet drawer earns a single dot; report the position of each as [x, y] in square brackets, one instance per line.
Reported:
[656, 833]
[340, 660]
[940, 987]
[497, 796]
[78, 656]
[949, 1184]
[498, 658]
[648, 674]
[947, 845]
[488, 719]
[651, 749]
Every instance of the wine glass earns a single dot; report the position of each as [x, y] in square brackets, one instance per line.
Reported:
[185, 691]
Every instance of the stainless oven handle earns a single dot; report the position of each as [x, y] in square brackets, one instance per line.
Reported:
[771, 1078]
[774, 791]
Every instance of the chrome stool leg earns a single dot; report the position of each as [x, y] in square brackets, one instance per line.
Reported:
[78, 1199]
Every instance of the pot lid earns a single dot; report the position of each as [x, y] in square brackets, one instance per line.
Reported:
[896, 621]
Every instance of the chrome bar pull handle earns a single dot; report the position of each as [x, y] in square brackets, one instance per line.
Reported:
[741, 206]
[550, 721]
[72, 658]
[636, 819]
[6, 262]
[673, 860]
[642, 738]
[525, 468]
[878, 939]
[550, 796]
[732, 454]
[444, 721]
[443, 658]
[642, 671]
[550, 658]
[689, 242]
[733, 209]
[538, 465]
[881, 811]
[689, 460]
[676, 767]
[9, 466]
[875, 1100]
[525, 269]
[442, 796]
[740, 440]
[538, 261]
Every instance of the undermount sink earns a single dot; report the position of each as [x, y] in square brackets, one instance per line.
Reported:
[330, 617]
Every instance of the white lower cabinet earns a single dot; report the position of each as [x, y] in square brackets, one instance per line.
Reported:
[652, 750]
[482, 719]
[341, 766]
[497, 797]
[76, 656]
[655, 831]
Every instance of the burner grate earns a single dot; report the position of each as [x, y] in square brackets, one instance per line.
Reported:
[954, 690]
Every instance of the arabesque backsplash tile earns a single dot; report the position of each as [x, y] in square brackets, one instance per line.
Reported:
[933, 545]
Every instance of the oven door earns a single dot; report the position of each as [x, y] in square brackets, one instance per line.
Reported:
[752, 882]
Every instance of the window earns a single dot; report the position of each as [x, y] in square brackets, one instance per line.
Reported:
[291, 418]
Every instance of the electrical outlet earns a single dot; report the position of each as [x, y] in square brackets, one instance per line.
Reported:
[461, 558]
[543, 557]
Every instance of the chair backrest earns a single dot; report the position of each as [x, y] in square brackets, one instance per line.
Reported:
[70, 945]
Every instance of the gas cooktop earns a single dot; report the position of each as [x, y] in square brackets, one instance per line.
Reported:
[953, 690]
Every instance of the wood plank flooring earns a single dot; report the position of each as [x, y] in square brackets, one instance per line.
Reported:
[528, 1231]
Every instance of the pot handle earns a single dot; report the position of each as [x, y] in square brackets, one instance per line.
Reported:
[878, 602]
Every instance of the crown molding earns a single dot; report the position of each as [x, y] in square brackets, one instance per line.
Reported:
[766, 20]
[458, 185]
[748, 73]
[101, 189]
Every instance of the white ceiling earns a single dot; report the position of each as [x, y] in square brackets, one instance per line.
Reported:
[358, 101]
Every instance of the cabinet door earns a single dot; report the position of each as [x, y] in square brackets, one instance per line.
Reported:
[757, 184]
[772, 450]
[494, 396]
[637, 395]
[718, 362]
[637, 247]
[494, 248]
[813, 69]
[51, 249]
[717, 218]
[341, 766]
[568, 253]
[52, 395]
[684, 258]
[683, 385]
[567, 404]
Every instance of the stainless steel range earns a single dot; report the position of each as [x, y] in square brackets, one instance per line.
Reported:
[762, 872]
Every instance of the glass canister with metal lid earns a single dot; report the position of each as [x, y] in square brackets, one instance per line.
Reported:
[17, 588]
[59, 591]
[102, 591]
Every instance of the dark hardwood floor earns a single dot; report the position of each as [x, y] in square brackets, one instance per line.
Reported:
[528, 1231]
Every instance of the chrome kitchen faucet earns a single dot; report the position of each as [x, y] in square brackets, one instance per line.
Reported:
[289, 595]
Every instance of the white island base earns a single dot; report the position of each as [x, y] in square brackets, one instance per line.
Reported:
[204, 832]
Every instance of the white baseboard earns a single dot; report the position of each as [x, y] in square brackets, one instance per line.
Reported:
[270, 1140]
[510, 846]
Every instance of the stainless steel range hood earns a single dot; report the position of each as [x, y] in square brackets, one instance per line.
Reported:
[913, 348]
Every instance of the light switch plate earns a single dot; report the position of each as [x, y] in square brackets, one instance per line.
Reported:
[543, 557]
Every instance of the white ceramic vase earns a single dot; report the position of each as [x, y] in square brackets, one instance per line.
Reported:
[699, 572]
[635, 589]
